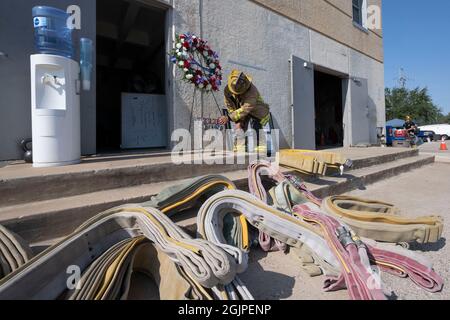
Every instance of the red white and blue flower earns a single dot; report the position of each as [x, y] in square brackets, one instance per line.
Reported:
[199, 63]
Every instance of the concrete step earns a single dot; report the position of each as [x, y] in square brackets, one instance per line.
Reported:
[327, 186]
[38, 220]
[21, 184]
[43, 220]
[358, 179]
[26, 184]
[386, 155]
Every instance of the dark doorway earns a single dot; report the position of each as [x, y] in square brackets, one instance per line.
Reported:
[328, 110]
[130, 59]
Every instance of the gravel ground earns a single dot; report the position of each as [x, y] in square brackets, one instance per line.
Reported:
[420, 192]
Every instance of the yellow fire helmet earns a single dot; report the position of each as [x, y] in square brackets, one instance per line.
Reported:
[239, 82]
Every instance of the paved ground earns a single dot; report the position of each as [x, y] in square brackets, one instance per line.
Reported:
[420, 192]
[433, 149]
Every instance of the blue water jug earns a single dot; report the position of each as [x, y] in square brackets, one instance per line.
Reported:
[51, 34]
[86, 55]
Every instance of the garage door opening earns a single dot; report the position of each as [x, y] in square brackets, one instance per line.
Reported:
[131, 103]
[328, 111]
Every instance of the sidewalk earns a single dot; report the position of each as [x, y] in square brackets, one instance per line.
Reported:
[433, 149]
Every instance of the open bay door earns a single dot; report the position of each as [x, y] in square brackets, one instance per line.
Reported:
[360, 111]
[304, 127]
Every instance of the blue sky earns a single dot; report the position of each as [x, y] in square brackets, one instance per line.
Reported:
[417, 38]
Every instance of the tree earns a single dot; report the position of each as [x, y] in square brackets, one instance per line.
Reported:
[417, 103]
[445, 119]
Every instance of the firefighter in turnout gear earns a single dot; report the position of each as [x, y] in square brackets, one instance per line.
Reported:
[244, 103]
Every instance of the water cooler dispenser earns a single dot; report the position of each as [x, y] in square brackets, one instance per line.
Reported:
[55, 89]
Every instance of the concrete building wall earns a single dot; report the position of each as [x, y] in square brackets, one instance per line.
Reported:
[262, 44]
[367, 68]
[345, 6]
[328, 53]
[17, 40]
[332, 18]
[260, 41]
[247, 34]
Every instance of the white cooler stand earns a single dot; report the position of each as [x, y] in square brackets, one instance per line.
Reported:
[55, 107]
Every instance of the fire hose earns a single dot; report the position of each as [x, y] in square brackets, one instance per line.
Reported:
[368, 218]
[380, 221]
[332, 229]
[352, 253]
[181, 197]
[115, 244]
[313, 162]
[288, 229]
[44, 276]
[14, 252]
[285, 228]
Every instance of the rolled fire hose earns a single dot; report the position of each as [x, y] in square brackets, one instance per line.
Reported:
[380, 221]
[14, 252]
[122, 261]
[137, 255]
[266, 242]
[419, 273]
[180, 197]
[290, 230]
[285, 228]
[44, 277]
[352, 254]
[370, 219]
[413, 265]
[207, 263]
[185, 196]
[312, 162]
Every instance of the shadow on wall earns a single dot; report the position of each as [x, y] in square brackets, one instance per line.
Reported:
[283, 141]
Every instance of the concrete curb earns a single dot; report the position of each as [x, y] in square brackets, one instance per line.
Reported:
[45, 225]
[41, 188]
[373, 161]
[356, 182]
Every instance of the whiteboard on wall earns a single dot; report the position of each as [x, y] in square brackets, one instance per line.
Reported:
[144, 121]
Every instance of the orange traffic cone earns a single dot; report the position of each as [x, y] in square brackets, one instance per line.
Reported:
[443, 145]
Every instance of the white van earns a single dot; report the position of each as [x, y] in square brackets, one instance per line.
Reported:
[442, 130]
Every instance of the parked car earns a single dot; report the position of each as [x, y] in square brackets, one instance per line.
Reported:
[440, 130]
[425, 135]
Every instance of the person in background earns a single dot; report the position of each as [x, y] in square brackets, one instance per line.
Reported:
[410, 128]
[244, 102]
